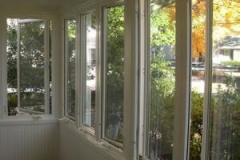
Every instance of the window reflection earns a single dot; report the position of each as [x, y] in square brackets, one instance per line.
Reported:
[198, 77]
[114, 78]
[161, 81]
[225, 80]
[89, 110]
[70, 53]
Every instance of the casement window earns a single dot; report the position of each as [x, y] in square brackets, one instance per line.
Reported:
[207, 55]
[113, 50]
[221, 110]
[160, 80]
[164, 112]
[70, 68]
[88, 55]
[28, 66]
[81, 73]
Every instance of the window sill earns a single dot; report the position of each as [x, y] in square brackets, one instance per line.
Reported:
[84, 135]
[27, 120]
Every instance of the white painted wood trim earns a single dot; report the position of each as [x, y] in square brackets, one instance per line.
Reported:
[183, 75]
[131, 80]
[205, 152]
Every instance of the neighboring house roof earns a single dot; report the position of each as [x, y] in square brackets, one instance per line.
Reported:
[230, 42]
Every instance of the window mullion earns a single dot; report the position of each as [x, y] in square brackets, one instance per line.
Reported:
[18, 65]
[131, 80]
[66, 66]
[205, 151]
[78, 63]
[70, 68]
[46, 67]
[82, 68]
[104, 68]
[98, 121]
[183, 68]
[3, 71]
[144, 71]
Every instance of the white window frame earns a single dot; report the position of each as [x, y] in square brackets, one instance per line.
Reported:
[3, 69]
[66, 62]
[205, 152]
[104, 53]
[131, 86]
[131, 71]
[82, 69]
[46, 63]
[182, 84]
[96, 136]
[4, 109]
[182, 112]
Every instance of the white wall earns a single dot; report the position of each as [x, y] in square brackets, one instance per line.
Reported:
[29, 140]
[75, 147]
[46, 140]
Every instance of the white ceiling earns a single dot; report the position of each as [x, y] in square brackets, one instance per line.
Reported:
[35, 3]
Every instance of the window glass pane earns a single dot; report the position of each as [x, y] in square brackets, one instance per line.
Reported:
[161, 80]
[225, 80]
[12, 66]
[114, 79]
[50, 65]
[90, 83]
[27, 67]
[70, 53]
[198, 77]
[31, 65]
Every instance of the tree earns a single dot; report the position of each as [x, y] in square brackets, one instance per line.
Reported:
[12, 54]
[12, 65]
[225, 22]
[225, 19]
[198, 28]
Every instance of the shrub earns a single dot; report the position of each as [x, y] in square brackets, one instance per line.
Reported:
[231, 63]
[12, 103]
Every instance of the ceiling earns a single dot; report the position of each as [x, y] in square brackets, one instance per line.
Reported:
[38, 3]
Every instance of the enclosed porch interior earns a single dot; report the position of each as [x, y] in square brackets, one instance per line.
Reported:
[119, 80]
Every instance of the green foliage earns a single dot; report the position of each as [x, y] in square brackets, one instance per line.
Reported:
[231, 63]
[115, 56]
[70, 61]
[32, 40]
[72, 23]
[225, 113]
[31, 56]
[162, 76]
[12, 56]
[161, 109]
[197, 112]
[226, 124]
[12, 103]
[196, 125]
[162, 29]
[161, 86]
[114, 72]
[30, 99]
